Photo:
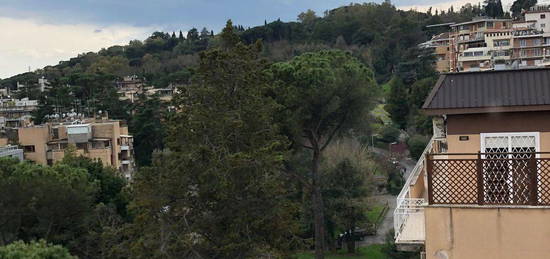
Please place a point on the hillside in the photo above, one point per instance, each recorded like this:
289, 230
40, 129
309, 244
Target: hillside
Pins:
379, 34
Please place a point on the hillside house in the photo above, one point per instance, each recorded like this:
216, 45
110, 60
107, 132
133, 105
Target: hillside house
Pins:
482, 187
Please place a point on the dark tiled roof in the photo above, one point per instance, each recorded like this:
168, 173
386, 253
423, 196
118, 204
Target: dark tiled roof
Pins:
504, 88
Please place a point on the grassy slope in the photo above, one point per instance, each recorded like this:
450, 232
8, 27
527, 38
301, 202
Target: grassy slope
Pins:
369, 252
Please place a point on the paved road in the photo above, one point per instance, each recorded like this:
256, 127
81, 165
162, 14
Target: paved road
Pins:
387, 223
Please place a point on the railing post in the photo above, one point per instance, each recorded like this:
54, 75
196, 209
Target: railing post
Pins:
429, 172
533, 199
479, 173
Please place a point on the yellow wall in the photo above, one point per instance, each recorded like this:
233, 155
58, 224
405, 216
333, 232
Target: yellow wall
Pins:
487, 233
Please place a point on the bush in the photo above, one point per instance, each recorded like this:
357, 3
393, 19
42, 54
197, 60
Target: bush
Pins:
390, 134
35, 250
417, 144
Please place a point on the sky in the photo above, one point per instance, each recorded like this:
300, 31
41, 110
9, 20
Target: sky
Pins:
37, 33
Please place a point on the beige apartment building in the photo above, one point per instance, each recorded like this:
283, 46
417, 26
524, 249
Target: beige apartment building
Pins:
103, 139
439, 45
482, 187
468, 46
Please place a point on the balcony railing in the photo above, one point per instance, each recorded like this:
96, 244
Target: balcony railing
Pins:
507, 179
408, 217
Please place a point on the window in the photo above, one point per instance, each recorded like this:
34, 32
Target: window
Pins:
490, 25
503, 167
29, 148
523, 43
523, 53
543, 16
500, 43
537, 52
542, 25
536, 42
82, 146
55, 133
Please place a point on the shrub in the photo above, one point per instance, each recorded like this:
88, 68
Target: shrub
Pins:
417, 144
35, 250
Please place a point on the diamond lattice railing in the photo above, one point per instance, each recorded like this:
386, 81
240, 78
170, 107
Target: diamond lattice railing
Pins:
490, 179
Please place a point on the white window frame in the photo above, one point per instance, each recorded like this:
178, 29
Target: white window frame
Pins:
510, 134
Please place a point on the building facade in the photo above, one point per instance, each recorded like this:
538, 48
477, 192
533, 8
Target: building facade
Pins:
16, 112
492, 44
106, 140
482, 187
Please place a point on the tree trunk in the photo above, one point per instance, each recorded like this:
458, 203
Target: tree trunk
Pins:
351, 241
318, 209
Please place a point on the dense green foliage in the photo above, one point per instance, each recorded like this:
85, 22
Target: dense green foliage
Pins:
73, 203
147, 128
325, 94
219, 193
239, 164
521, 5
34, 250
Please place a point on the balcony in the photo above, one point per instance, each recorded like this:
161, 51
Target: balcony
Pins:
11, 151
408, 217
497, 179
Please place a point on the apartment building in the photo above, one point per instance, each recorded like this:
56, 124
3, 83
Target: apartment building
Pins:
16, 112
482, 186
130, 88
468, 46
103, 139
439, 44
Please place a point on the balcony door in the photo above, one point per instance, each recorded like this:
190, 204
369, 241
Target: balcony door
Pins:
506, 166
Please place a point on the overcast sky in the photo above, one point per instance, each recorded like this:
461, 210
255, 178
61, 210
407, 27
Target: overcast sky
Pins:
36, 33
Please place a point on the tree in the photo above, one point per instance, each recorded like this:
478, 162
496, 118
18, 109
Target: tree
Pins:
148, 129
44, 202
325, 94
219, 193
493, 8
34, 249
180, 37
397, 102
347, 171
520, 5
345, 190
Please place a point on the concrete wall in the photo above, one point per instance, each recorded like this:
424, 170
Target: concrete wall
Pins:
37, 137
487, 233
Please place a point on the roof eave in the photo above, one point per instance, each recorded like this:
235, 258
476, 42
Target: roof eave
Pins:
434, 91
495, 109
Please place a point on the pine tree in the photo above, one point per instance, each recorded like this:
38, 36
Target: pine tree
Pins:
219, 193
181, 38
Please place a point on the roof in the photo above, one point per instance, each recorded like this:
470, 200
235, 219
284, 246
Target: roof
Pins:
490, 91
481, 20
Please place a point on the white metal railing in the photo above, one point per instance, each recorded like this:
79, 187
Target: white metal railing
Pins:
410, 215
10, 151
406, 205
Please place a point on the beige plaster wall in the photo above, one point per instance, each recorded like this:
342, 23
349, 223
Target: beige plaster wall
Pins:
37, 136
487, 233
